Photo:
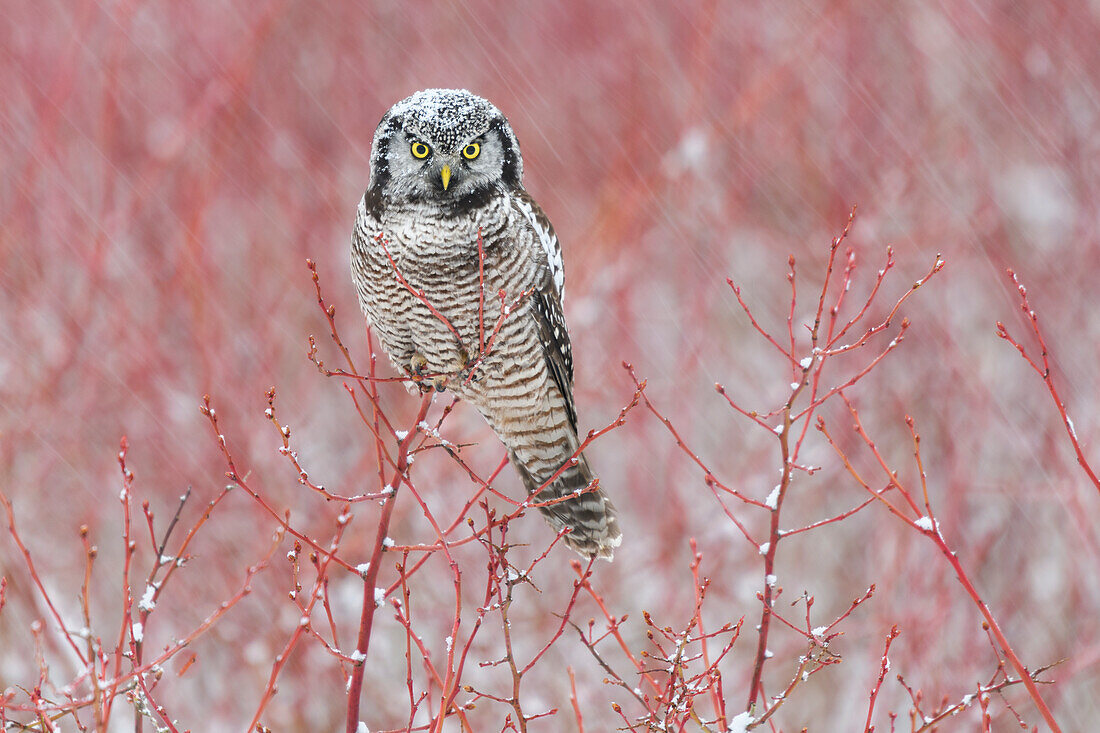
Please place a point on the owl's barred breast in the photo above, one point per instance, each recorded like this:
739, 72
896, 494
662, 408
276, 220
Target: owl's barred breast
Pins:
438, 255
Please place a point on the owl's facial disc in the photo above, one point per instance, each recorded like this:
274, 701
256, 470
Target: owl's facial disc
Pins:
446, 146
424, 170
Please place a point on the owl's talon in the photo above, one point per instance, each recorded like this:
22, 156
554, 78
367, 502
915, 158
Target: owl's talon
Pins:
465, 367
416, 368
417, 363
427, 384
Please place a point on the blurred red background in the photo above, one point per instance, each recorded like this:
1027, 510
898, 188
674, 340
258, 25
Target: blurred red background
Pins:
169, 166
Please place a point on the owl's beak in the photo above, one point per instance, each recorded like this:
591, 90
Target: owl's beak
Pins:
446, 174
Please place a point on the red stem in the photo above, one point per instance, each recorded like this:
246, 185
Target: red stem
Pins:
366, 621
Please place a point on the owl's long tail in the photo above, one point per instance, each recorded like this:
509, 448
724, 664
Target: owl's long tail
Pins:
589, 513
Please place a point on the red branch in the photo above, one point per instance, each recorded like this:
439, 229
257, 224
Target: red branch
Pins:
1044, 372
929, 527
370, 578
883, 669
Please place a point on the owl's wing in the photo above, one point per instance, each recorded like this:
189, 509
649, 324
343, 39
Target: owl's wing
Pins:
547, 299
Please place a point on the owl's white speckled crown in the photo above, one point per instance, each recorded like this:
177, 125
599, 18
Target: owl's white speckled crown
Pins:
446, 116
446, 119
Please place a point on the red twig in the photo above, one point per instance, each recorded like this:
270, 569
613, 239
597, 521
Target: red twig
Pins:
1044, 372
930, 528
33, 572
883, 669
303, 626
573, 700
239, 480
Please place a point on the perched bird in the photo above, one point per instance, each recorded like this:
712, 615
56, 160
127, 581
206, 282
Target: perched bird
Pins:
445, 227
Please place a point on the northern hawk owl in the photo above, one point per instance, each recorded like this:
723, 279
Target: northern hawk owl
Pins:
445, 227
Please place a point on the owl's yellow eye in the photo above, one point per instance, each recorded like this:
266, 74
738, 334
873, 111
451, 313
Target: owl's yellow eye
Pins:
420, 150
471, 151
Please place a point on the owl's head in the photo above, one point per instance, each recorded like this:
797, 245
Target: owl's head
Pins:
443, 146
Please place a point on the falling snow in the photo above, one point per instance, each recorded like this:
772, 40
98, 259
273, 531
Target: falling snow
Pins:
167, 173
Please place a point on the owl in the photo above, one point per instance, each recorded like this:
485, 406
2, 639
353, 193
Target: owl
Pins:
460, 275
